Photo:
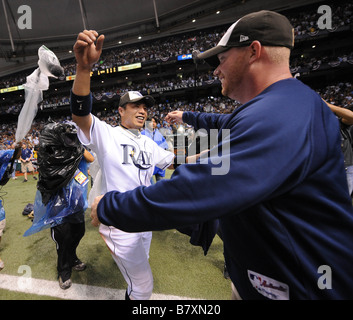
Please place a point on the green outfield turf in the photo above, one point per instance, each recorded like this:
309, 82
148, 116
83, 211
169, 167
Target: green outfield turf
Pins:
179, 268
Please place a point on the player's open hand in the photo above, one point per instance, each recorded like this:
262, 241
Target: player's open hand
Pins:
88, 48
94, 216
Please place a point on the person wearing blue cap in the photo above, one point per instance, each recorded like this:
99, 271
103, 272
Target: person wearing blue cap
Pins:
283, 206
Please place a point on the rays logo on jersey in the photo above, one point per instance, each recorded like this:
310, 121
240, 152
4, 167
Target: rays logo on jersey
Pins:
140, 159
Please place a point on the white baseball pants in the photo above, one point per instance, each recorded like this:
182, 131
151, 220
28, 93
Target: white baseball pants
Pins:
130, 252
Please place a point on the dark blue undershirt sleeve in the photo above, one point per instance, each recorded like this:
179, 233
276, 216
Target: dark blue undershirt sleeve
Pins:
204, 120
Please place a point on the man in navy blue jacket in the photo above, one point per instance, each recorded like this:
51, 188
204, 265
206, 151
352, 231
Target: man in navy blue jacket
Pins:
282, 201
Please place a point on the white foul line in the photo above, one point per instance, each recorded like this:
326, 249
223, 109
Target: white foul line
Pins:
75, 292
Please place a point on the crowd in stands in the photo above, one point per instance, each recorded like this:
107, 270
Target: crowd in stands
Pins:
111, 116
314, 63
306, 22
340, 94
145, 87
303, 22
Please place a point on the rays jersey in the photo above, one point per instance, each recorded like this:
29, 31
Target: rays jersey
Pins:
127, 160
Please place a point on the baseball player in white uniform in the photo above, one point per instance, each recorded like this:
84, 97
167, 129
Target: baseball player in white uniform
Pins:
126, 158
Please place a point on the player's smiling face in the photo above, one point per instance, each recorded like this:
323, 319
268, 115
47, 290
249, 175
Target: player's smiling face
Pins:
133, 116
231, 71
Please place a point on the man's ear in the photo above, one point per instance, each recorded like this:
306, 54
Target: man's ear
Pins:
255, 51
121, 111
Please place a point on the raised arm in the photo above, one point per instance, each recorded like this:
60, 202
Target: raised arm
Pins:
87, 49
346, 115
